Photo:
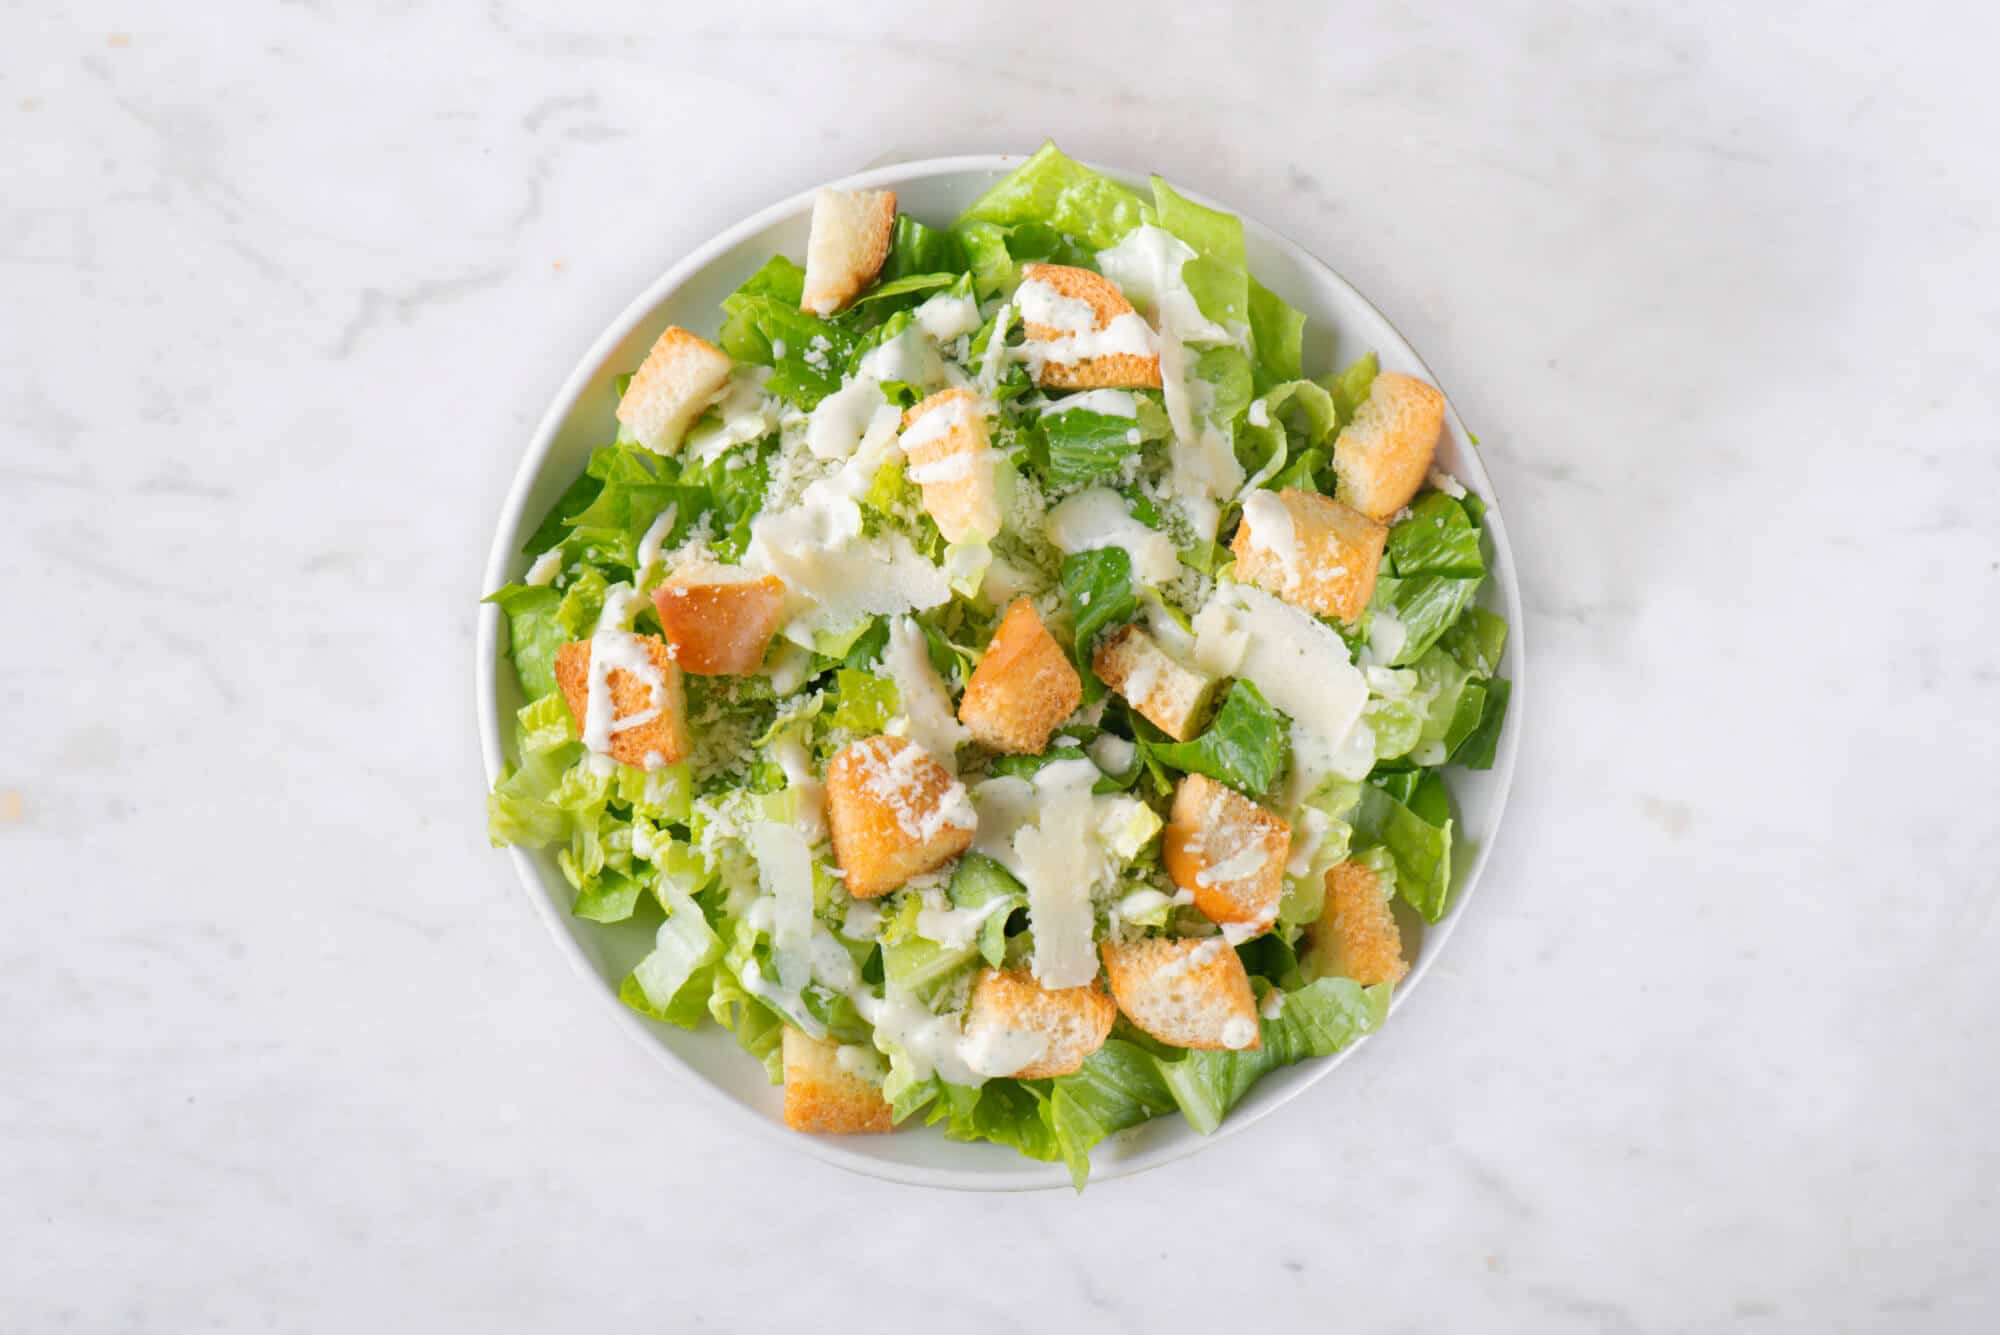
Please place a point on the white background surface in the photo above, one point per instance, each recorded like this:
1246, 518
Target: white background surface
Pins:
284, 289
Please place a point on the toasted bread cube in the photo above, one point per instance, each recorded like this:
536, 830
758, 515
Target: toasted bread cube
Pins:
893, 813
850, 238
944, 438
825, 1097
719, 619
1383, 456
1110, 370
658, 740
1011, 1017
1226, 851
1310, 550
1356, 935
1191, 992
1170, 696
672, 387
1022, 689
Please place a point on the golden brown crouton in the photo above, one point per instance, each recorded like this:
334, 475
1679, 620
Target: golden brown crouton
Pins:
664, 736
1010, 1013
850, 238
671, 388
893, 813
1226, 851
1022, 689
1383, 456
1171, 696
824, 1098
1191, 992
718, 620
944, 438
1120, 370
1310, 550
1356, 935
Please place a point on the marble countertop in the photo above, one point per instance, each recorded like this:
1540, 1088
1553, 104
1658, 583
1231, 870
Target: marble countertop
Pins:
284, 1047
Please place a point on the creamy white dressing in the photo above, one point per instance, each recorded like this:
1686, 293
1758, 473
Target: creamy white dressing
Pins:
784, 869
994, 364
937, 423
1296, 660
744, 412
926, 700
808, 792
931, 1044
546, 567
1105, 402
1272, 529
946, 316
1097, 517
1125, 335
1386, 637
1147, 265
655, 537
1112, 753
955, 928
1040, 304
614, 648
843, 419
1245, 862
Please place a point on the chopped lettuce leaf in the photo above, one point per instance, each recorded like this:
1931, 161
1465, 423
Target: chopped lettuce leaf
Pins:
534, 633
1436, 538
1244, 746
1276, 332
1416, 831
1056, 191
1098, 585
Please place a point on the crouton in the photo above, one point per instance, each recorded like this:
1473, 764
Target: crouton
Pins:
1383, 455
893, 813
1191, 992
1173, 698
671, 388
1106, 304
1011, 1016
1226, 851
851, 233
825, 1097
719, 619
944, 438
660, 739
1313, 552
1022, 689
1356, 935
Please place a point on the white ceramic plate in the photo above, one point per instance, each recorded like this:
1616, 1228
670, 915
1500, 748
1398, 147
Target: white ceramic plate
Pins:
1340, 325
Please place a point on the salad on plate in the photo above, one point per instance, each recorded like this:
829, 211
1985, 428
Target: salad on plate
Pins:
1013, 693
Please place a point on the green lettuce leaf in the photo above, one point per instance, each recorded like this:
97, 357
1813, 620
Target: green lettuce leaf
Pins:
1480, 746
1218, 276
1244, 746
1085, 447
534, 633
1477, 640
1058, 192
919, 249
1436, 538
1099, 587
1276, 332
1350, 388
1416, 831
675, 980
